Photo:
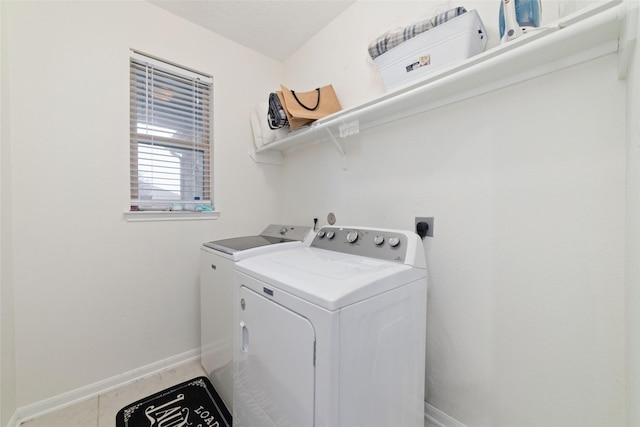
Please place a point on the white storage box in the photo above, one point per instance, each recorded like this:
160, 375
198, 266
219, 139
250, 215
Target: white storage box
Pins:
450, 42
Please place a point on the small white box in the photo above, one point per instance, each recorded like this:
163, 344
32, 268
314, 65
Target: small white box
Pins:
453, 41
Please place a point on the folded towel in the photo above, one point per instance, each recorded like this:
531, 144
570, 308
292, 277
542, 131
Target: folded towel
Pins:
262, 132
393, 38
257, 129
269, 135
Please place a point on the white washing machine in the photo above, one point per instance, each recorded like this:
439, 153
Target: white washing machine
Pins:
332, 334
216, 296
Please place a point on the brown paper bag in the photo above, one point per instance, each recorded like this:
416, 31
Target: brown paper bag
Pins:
294, 122
305, 107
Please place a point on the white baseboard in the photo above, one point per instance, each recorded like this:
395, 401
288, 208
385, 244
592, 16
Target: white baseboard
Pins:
13, 422
439, 418
92, 390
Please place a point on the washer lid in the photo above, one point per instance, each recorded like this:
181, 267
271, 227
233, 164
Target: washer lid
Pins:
327, 278
235, 244
272, 235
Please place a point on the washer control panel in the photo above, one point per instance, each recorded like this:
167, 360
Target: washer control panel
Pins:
390, 245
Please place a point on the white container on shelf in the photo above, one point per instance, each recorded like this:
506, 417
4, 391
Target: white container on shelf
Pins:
455, 40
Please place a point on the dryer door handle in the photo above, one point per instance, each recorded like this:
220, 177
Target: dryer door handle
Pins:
244, 338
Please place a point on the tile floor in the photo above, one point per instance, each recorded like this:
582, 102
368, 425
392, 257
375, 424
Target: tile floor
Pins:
100, 411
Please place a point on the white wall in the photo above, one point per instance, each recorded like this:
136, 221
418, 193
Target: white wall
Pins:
526, 302
7, 356
633, 238
96, 296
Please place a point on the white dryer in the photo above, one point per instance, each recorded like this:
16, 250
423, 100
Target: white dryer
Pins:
332, 334
216, 296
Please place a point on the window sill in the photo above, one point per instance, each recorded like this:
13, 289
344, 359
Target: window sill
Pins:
170, 216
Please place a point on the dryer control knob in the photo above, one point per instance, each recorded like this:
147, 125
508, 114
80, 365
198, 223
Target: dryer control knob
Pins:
321, 234
331, 234
394, 241
352, 236
378, 240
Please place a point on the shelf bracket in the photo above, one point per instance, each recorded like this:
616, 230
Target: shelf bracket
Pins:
340, 149
269, 157
627, 39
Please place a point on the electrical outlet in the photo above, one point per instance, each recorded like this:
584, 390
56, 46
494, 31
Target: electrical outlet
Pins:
427, 220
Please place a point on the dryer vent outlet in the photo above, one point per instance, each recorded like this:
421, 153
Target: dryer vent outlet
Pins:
424, 226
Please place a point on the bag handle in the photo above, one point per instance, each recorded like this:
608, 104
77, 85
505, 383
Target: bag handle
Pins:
304, 106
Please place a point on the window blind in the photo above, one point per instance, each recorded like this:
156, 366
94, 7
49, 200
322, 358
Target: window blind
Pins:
170, 128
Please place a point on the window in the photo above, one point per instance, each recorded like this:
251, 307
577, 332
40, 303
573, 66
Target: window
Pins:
170, 146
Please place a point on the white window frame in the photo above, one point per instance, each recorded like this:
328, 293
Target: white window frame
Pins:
177, 164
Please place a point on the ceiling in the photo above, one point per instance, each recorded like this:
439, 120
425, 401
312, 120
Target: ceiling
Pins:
276, 28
